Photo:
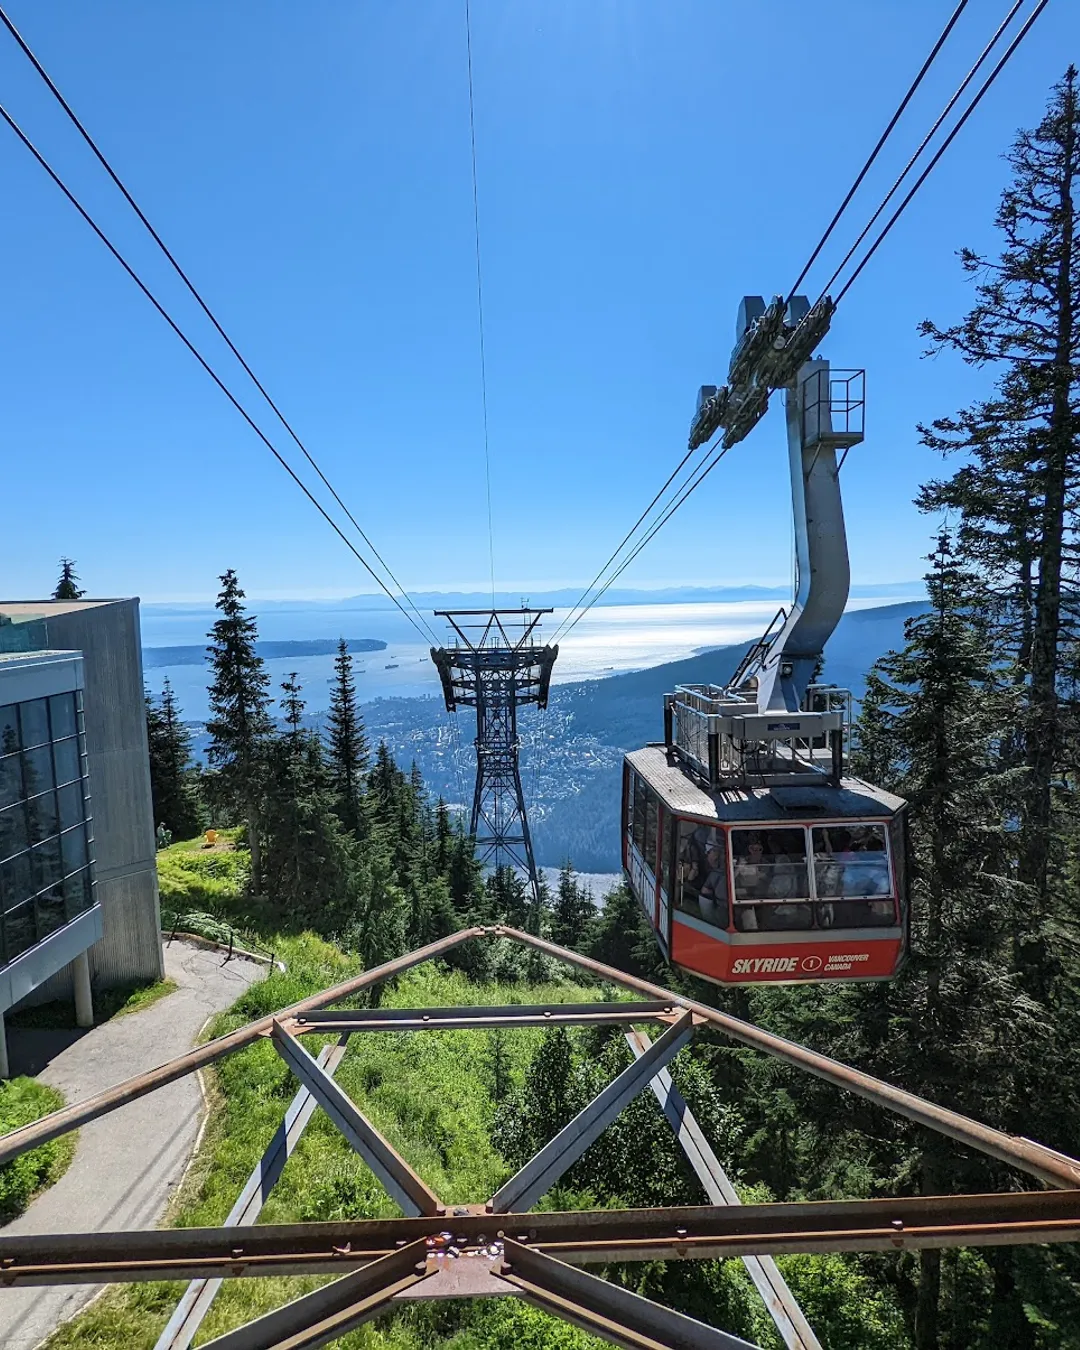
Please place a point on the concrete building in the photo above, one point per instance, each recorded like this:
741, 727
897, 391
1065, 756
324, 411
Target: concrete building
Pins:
78, 881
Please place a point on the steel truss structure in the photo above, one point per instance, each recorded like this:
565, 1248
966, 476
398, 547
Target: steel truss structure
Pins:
498, 1247
496, 665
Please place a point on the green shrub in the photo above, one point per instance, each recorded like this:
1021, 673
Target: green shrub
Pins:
23, 1100
190, 880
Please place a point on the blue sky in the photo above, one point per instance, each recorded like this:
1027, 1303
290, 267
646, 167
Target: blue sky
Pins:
641, 166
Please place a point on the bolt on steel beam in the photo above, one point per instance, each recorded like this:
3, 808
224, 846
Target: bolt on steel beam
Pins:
580, 1236
606, 1309
1056, 1169
332, 1310
514, 1015
399, 1179
190, 1312
71, 1117
780, 1302
543, 1170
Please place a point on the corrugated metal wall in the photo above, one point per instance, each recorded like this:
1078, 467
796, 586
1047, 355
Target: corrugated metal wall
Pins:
109, 638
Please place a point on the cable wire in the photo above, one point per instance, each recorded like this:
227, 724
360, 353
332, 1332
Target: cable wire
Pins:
924, 143
571, 622
100, 156
699, 476
44, 163
881, 141
480, 297
664, 487
1005, 57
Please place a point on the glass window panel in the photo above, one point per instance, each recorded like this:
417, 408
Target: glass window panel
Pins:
652, 825
701, 869
15, 883
62, 716
9, 729
42, 817
641, 793
49, 911
45, 864
34, 722
73, 843
665, 854
72, 810
20, 932
78, 895
37, 770
851, 862
13, 833
770, 874
66, 757
11, 789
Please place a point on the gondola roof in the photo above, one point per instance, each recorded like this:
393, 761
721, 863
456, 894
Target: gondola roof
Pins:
854, 799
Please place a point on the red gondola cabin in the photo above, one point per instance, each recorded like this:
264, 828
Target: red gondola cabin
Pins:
764, 885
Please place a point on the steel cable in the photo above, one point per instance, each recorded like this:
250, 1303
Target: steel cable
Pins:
44, 163
881, 142
924, 143
201, 302
1005, 57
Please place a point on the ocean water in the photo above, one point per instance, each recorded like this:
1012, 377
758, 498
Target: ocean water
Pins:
609, 639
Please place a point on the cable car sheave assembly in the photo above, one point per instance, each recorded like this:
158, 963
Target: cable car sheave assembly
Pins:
753, 855
500, 1246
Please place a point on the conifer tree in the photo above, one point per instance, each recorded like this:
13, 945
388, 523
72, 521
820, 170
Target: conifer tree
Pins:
173, 781
573, 911
292, 705
1016, 495
956, 1023
347, 743
66, 587
239, 725
620, 936
309, 860
444, 835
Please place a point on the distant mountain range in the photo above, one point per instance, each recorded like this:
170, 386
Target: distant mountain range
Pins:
557, 599
269, 651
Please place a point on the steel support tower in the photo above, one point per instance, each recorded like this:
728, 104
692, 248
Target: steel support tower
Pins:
495, 665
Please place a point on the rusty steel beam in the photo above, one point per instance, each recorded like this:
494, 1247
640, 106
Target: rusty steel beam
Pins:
404, 1186
580, 1236
780, 1303
1056, 1169
605, 1309
190, 1312
333, 1310
544, 1169
71, 1117
514, 1015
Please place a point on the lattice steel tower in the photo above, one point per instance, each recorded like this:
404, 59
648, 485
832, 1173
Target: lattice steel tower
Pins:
495, 665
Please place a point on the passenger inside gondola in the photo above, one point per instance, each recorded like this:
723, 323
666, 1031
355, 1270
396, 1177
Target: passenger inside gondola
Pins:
702, 873
852, 878
771, 890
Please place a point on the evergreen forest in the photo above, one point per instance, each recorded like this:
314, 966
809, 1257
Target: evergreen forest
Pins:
339, 857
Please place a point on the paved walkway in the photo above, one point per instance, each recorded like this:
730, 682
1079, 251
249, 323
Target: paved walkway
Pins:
129, 1162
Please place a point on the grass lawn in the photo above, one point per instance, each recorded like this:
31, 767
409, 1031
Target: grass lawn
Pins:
23, 1100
